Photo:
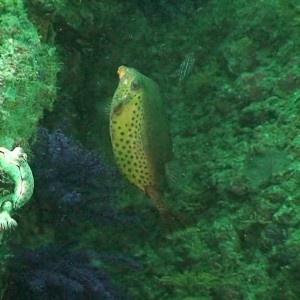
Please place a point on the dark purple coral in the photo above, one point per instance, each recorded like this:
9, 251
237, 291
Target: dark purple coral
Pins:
72, 183
52, 273
73, 186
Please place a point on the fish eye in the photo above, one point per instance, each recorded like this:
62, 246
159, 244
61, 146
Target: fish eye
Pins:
135, 85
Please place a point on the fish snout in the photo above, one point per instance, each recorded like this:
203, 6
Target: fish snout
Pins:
122, 71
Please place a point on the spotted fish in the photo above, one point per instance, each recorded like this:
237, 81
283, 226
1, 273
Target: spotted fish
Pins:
140, 134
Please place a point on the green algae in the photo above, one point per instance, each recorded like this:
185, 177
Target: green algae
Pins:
28, 71
235, 126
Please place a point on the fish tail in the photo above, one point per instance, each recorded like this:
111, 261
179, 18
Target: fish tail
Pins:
170, 220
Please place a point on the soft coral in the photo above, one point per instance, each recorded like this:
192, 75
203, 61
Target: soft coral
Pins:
72, 182
56, 273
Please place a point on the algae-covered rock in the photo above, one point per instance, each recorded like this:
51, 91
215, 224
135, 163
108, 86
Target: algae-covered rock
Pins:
28, 70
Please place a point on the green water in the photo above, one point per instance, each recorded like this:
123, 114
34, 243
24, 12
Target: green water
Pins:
228, 72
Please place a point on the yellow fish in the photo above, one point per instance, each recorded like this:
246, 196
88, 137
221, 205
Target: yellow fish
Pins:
140, 134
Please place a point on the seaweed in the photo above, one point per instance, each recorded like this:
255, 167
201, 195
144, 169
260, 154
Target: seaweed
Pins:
168, 10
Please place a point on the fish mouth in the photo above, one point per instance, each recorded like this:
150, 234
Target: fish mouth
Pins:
121, 71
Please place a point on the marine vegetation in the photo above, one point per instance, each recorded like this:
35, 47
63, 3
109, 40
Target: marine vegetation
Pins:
28, 75
166, 10
74, 188
229, 72
76, 182
51, 273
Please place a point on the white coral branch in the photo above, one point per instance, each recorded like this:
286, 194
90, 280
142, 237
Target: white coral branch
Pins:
6, 221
